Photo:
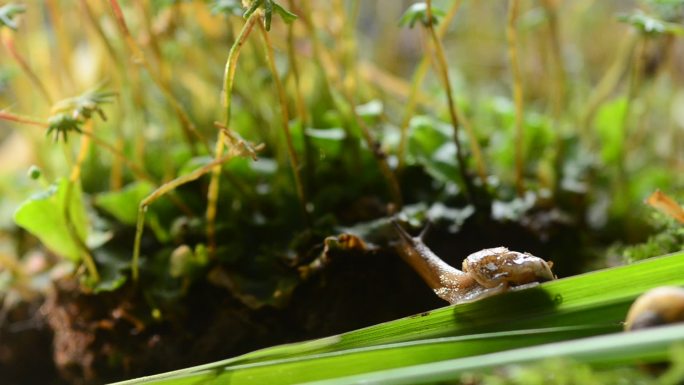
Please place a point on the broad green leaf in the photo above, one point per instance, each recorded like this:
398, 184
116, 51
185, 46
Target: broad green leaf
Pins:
123, 204
43, 215
590, 303
609, 126
328, 141
431, 144
112, 270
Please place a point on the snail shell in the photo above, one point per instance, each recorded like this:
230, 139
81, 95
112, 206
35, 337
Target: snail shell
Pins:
493, 267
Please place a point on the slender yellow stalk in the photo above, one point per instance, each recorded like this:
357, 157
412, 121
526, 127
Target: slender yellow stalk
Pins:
559, 83
139, 173
379, 154
158, 193
348, 88
512, 36
316, 46
608, 82
228, 78
63, 49
8, 41
188, 126
453, 113
75, 178
417, 80
300, 104
285, 122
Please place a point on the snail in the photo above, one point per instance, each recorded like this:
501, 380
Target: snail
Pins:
659, 306
485, 273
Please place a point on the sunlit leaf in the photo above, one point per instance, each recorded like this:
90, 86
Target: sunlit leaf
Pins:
43, 215
123, 204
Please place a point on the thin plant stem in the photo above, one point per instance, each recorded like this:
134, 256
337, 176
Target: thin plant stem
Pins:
632, 91
115, 178
187, 125
416, 81
139, 173
608, 82
316, 46
158, 193
63, 47
285, 122
455, 121
300, 104
8, 41
560, 81
228, 79
378, 154
90, 15
75, 178
512, 37
349, 88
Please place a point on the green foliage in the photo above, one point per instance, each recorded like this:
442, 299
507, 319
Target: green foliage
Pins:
229, 7
7, 14
651, 26
269, 6
417, 12
431, 145
43, 215
668, 238
609, 125
123, 204
165, 117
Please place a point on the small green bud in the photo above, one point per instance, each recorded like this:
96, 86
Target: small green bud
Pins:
34, 172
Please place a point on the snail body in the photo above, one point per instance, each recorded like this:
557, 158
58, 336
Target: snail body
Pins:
485, 273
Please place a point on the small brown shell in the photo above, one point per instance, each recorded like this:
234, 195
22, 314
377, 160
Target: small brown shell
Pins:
659, 306
492, 267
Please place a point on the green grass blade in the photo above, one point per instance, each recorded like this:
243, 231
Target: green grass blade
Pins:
650, 345
598, 298
368, 359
